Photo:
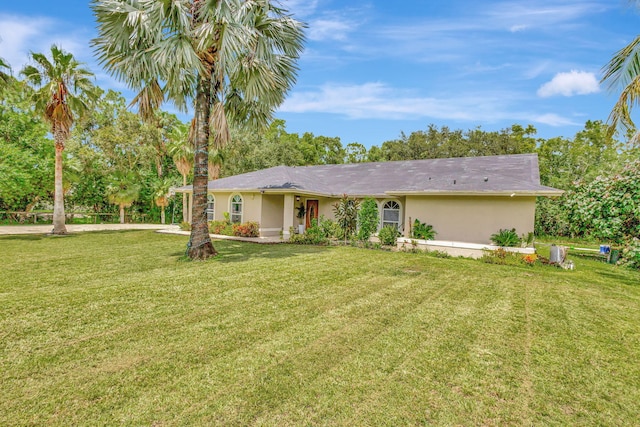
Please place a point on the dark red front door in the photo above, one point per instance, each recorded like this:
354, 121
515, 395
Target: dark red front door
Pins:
312, 211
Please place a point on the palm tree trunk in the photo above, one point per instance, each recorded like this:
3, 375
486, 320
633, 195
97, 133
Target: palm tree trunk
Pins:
200, 246
121, 214
58, 193
185, 205
162, 216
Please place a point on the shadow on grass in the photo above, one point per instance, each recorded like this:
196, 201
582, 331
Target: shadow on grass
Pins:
35, 237
233, 251
625, 278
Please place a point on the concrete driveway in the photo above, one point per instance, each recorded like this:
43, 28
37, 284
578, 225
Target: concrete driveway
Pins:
76, 228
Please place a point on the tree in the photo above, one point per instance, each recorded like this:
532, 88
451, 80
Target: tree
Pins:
368, 219
26, 154
346, 213
5, 77
234, 59
160, 189
123, 189
61, 89
623, 72
181, 152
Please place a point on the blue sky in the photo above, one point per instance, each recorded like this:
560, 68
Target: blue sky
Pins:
372, 69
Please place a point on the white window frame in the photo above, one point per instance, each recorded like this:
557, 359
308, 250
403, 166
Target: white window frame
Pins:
211, 207
232, 214
382, 210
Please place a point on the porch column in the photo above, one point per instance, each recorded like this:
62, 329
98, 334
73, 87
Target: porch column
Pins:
190, 207
288, 216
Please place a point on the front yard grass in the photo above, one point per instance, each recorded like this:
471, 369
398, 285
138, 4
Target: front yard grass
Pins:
115, 328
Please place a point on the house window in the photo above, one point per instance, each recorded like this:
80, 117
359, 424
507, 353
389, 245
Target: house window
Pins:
210, 207
236, 209
391, 214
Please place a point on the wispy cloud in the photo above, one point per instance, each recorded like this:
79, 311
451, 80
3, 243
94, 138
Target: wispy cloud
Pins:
554, 120
375, 100
300, 8
20, 35
330, 29
570, 84
519, 15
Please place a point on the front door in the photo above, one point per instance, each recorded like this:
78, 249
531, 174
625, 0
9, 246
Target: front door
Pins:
312, 211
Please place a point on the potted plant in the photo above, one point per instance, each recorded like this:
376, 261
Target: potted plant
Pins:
301, 212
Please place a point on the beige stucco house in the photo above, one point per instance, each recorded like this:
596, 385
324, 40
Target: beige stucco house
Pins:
465, 199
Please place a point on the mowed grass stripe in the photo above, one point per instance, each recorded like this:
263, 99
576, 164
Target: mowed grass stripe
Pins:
290, 335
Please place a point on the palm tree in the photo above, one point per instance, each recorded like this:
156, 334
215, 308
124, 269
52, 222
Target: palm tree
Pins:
161, 188
235, 59
123, 189
62, 88
623, 71
4, 76
215, 162
181, 150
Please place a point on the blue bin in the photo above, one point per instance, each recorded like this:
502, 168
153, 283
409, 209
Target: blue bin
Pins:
605, 249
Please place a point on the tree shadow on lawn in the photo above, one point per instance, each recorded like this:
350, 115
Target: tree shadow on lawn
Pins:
233, 251
35, 237
625, 278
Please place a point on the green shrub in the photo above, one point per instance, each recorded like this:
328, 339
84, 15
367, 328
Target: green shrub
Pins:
346, 213
246, 229
221, 227
421, 230
506, 237
185, 226
367, 219
630, 255
608, 207
329, 228
388, 235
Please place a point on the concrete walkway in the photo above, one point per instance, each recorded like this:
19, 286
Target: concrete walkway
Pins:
77, 228
6, 230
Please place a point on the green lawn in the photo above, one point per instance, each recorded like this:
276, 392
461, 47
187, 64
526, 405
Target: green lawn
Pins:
117, 329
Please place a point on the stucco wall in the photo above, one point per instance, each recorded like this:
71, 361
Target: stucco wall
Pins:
471, 219
251, 205
271, 222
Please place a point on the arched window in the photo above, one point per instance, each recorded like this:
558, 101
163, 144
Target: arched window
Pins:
236, 209
211, 203
391, 214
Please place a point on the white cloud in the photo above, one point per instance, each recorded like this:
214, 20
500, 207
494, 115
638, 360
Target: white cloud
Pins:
555, 120
379, 101
518, 28
570, 84
517, 15
329, 29
300, 8
20, 35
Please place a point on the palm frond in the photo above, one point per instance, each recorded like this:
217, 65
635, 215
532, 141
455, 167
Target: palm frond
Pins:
623, 71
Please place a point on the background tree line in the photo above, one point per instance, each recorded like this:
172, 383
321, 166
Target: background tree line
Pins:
115, 161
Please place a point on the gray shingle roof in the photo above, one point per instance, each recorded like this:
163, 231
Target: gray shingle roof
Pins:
493, 174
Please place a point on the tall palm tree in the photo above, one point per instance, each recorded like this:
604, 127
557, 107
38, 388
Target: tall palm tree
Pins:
181, 151
123, 189
235, 59
161, 188
62, 88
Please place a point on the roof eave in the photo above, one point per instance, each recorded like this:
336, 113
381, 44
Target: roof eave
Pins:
503, 193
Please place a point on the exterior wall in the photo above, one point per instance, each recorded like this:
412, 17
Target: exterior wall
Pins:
272, 215
470, 219
251, 205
